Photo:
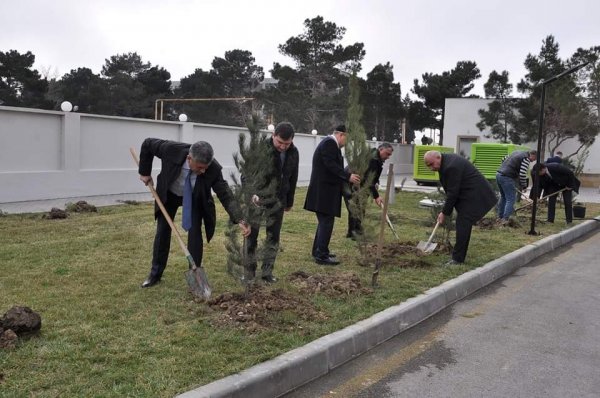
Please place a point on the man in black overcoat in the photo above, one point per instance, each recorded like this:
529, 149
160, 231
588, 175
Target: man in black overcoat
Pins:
183, 163
554, 177
467, 191
324, 196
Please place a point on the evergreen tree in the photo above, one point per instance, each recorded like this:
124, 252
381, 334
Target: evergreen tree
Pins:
384, 108
567, 113
319, 81
134, 85
253, 163
358, 155
436, 88
500, 117
20, 85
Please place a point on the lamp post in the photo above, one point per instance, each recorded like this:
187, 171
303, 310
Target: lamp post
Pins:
536, 180
66, 106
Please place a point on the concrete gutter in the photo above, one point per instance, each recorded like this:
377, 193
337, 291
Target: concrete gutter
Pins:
304, 364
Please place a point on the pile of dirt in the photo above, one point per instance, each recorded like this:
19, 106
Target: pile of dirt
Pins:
391, 252
263, 309
342, 284
55, 214
81, 207
18, 322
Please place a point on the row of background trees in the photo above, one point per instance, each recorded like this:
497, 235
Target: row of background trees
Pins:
313, 93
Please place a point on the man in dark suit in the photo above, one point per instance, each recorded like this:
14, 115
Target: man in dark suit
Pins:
378, 157
187, 176
285, 160
324, 196
557, 158
553, 178
467, 191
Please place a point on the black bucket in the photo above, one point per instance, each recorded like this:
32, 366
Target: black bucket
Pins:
578, 211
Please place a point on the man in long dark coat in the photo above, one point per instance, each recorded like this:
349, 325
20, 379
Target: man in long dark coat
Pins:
324, 196
467, 191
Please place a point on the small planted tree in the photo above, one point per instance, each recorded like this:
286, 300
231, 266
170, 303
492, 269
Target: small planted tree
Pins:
253, 164
358, 155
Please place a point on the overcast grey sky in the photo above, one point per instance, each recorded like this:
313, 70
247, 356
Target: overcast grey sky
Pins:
415, 36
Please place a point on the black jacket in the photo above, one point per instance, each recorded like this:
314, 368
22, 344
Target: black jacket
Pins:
326, 179
557, 178
286, 175
172, 155
372, 175
466, 188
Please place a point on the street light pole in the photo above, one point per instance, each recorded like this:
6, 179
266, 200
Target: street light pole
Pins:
536, 180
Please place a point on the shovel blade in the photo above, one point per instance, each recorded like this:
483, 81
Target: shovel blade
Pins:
426, 248
198, 283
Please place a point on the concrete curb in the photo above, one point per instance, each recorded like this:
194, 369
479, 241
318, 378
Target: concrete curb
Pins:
301, 365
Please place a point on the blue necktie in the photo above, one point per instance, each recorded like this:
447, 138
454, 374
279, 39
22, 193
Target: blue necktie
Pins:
186, 220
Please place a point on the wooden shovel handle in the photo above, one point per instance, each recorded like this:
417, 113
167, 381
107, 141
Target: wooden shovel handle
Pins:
165, 214
437, 224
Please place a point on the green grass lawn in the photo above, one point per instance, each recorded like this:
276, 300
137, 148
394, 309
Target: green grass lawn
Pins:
102, 335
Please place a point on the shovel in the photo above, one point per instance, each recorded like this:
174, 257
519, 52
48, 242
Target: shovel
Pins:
542, 198
428, 247
195, 276
389, 222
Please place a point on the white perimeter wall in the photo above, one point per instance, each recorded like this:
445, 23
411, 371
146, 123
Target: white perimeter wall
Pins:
52, 155
461, 117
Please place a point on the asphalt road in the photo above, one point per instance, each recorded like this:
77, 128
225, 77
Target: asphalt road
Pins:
535, 333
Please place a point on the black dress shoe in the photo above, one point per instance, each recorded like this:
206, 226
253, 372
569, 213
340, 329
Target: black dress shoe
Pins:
326, 260
151, 281
269, 278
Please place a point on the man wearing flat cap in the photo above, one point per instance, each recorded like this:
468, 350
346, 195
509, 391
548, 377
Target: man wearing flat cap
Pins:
324, 196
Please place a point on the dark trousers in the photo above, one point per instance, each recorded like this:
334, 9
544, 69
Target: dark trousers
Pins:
162, 239
273, 229
354, 224
320, 247
568, 202
463, 236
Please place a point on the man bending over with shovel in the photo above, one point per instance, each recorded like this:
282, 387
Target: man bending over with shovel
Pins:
556, 178
467, 191
187, 176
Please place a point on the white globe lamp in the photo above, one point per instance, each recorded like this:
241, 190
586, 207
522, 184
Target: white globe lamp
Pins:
270, 127
374, 139
314, 132
66, 106
183, 117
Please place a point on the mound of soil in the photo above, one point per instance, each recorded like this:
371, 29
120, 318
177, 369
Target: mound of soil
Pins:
82, 207
263, 309
8, 340
21, 320
390, 254
55, 214
343, 284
